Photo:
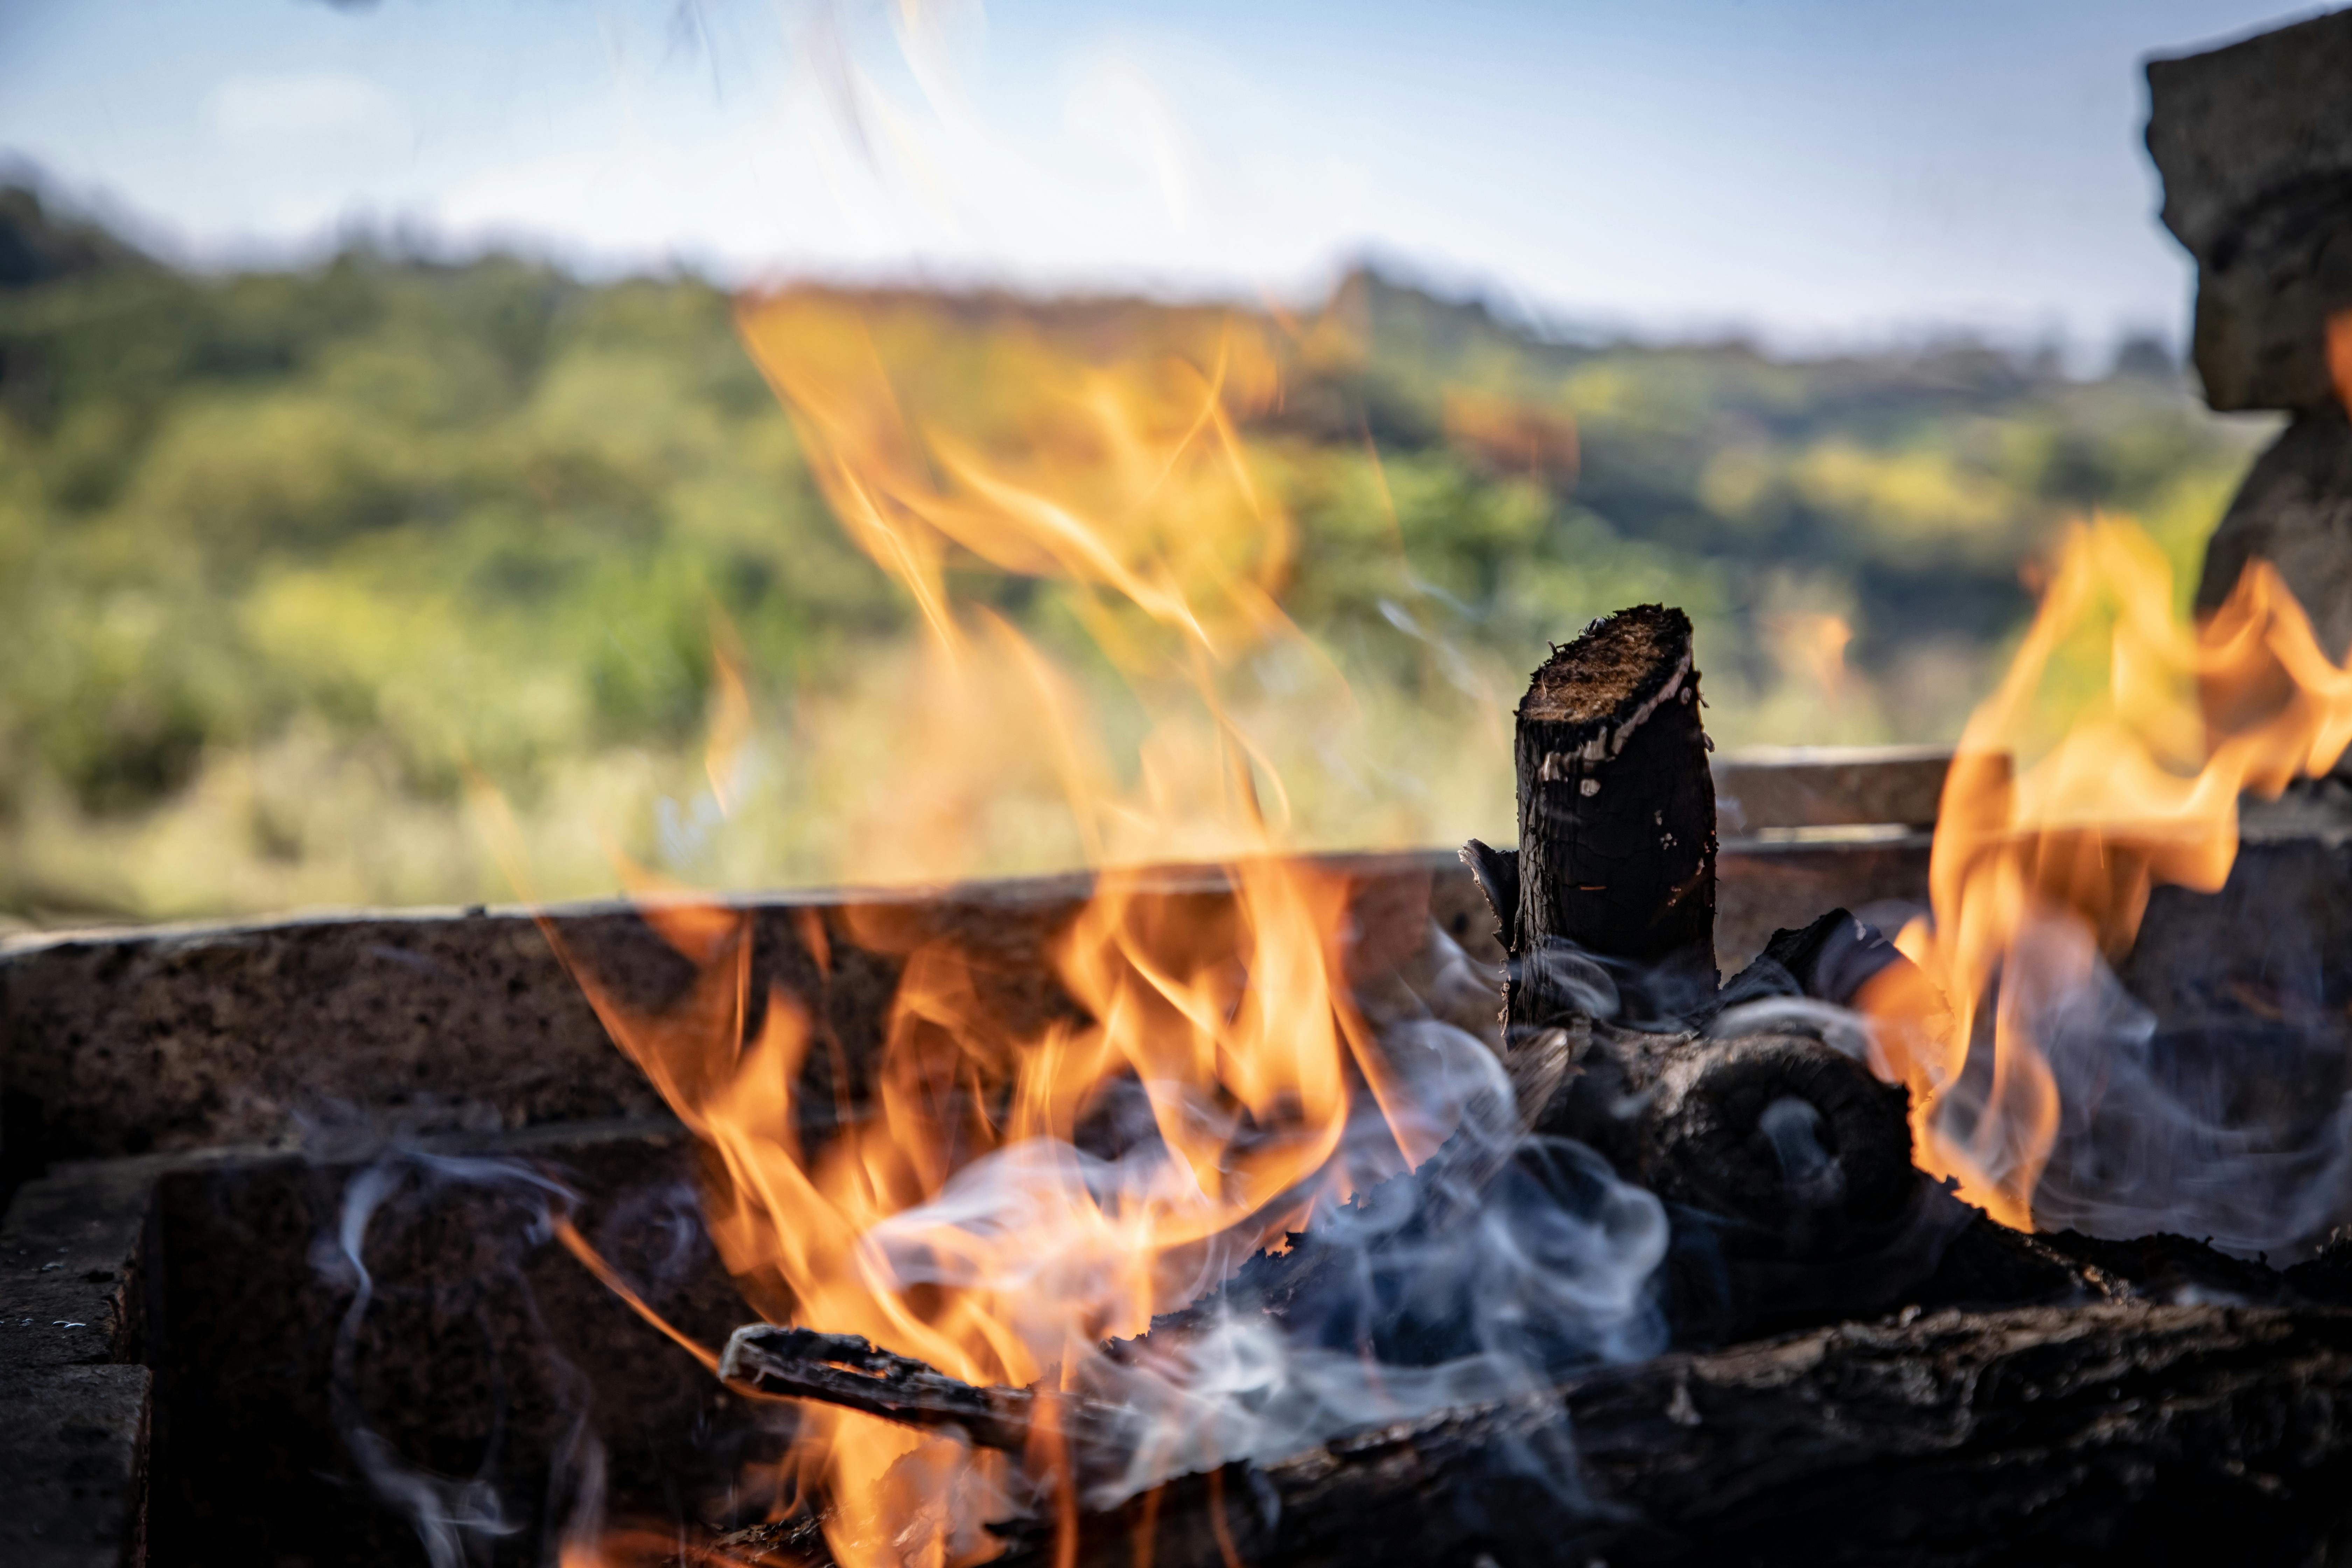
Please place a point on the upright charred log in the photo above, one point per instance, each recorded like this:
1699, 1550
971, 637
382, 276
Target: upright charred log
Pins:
1782, 1146
1616, 851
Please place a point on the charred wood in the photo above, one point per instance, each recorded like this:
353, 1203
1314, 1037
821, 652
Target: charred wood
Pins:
1829, 960
1786, 1144
852, 1371
2163, 1433
1782, 1131
1616, 854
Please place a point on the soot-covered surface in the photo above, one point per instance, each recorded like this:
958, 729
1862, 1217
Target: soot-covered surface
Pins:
496, 1374
253, 1460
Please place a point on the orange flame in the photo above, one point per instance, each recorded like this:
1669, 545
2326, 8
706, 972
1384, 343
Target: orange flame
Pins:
2339, 356
1126, 485
1512, 437
2037, 869
1812, 647
730, 720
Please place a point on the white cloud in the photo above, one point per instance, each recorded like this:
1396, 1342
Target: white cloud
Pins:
1114, 100
343, 118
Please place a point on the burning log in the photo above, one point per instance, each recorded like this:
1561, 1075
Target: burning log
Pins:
852, 1371
1786, 1163
1616, 853
2170, 1433
1607, 913
2035, 1398
2167, 1434
1784, 1133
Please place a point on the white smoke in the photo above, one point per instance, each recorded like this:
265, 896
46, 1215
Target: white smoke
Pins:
458, 1518
2157, 1130
1518, 1256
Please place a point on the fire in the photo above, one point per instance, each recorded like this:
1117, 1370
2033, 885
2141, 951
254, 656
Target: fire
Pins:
1812, 647
1126, 488
956, 1214
953, 1218
1512, 437
2047, 843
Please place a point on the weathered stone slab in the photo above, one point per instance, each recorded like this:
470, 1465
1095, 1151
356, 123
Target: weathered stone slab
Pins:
1824, 786
2255, 142
74, 1421
73, 1466
2294, 510
71, 1273
486, 1359
123, 1042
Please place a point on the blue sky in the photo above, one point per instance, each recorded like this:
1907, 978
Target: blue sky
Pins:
1820, 171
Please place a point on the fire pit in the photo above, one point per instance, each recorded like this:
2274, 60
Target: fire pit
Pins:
202, 1099
1298, 1209
307, 1076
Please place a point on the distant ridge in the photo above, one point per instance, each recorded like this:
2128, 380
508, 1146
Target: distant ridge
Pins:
38, 245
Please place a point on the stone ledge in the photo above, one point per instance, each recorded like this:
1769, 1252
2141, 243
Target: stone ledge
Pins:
73, 1466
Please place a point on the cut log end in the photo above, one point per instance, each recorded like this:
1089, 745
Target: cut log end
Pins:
1617, 838
1620, 662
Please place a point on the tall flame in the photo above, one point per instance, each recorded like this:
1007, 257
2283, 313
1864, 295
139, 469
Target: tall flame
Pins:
953, 1217
2046, 848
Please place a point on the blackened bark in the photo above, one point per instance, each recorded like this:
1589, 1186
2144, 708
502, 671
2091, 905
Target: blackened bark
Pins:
1616, 853
2138, 1433
1781, 1146
1831, 960
854, 1374
1781, 1131
1497, 872
2151, 1434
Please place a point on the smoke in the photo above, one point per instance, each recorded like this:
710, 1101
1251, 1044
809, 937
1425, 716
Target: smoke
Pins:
2219, 1129
509, 1210
1541, 1269
1503, 1262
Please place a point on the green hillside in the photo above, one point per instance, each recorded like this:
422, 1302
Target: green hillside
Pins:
283, 554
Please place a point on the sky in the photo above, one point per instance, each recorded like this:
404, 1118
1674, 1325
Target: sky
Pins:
1816, 173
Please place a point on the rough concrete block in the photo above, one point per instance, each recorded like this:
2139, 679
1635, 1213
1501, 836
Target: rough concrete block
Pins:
2294, 510
2254, 143
71, 1273
74, 1434
73, 1466
126, 1041
1826, 787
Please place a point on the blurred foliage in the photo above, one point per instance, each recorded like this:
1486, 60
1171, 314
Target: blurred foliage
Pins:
284, 556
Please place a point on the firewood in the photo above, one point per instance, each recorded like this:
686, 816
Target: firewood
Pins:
2148, 1433
1616, 854
2050, 1399
1783, 1132
852, 1371
2144, 1434
1607, 913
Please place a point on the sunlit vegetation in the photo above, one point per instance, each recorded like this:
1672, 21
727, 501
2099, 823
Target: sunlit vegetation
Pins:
286, 559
